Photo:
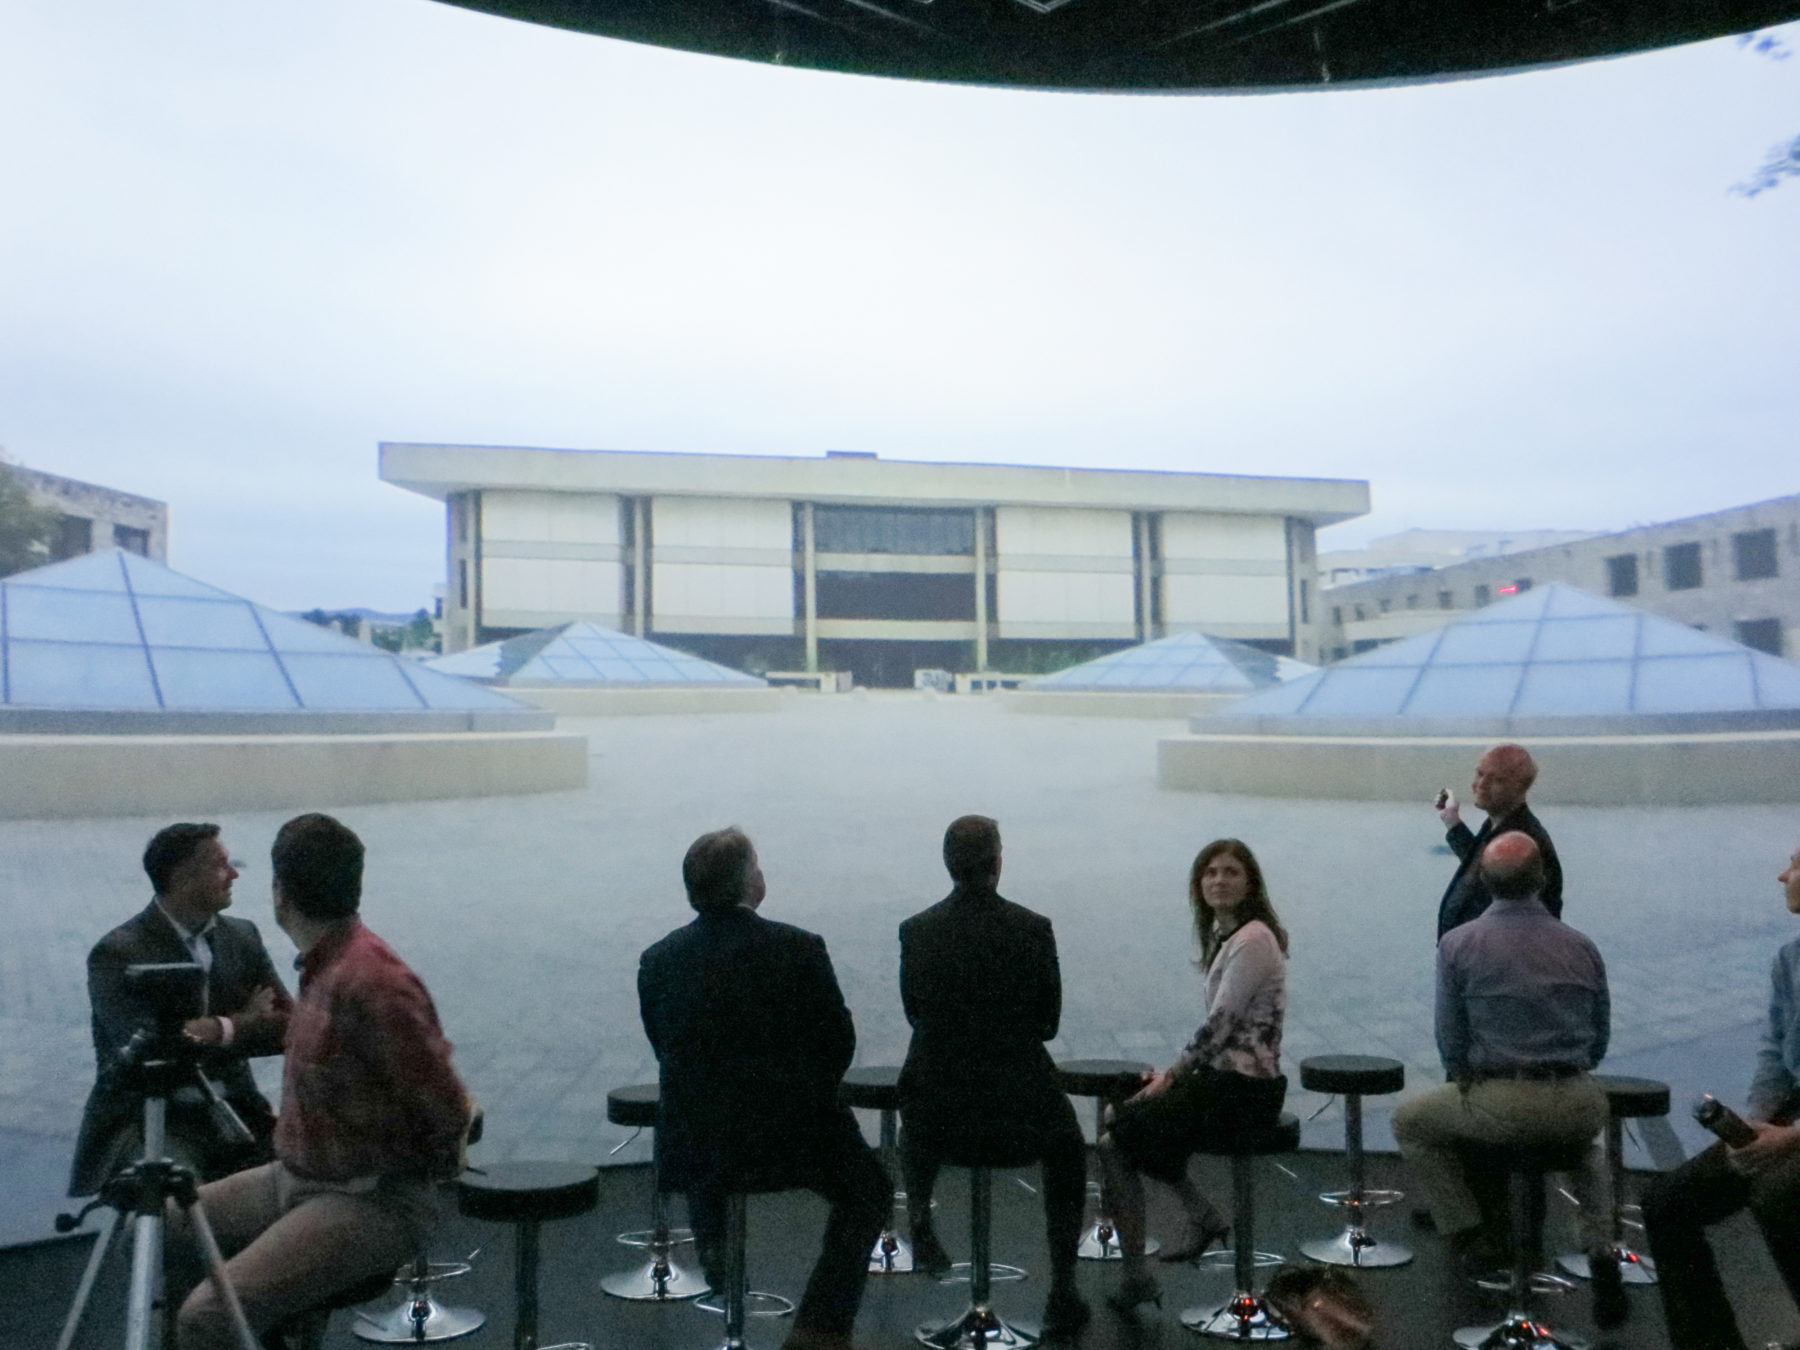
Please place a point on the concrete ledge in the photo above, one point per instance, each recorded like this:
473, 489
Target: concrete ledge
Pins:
1099, 703
639, 702
48, 777
1589, 770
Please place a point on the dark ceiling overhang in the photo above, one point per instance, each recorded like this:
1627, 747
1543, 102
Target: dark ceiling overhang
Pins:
1157, 45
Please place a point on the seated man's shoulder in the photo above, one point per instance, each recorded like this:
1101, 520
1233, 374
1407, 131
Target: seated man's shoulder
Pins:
122, 941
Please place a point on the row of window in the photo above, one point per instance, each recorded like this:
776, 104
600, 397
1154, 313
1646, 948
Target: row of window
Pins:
1753, 558
74, 536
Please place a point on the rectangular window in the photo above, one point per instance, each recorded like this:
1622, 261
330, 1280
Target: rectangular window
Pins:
1358, 611
1305, 603
1753, 554
1622, 574
1481, 596
1337, 615
132, 540
1446, 599
74, 536
462, 583
1762, 634
883, 529
1412, 602
1681, 567
896, 595
1386, 605
1522, 585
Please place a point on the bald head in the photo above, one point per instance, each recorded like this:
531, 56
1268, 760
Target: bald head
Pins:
1512, 867
1502, 778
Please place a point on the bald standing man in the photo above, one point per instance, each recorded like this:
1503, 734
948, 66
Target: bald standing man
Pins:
1502, 778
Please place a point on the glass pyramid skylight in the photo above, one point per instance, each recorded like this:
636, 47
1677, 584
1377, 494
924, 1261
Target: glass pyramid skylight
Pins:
114, 631
1184, 663
1554, 652
585, 654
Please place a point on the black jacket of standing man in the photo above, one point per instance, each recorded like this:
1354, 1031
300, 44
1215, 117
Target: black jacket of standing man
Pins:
983, 991
752, 1038
1502, 778
246, 1011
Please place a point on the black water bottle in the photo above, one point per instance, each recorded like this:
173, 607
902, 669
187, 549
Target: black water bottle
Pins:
1723, 1121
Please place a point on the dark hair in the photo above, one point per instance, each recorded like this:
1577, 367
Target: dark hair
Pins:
716, 869
1255, 904
319, 865
172, 846
1510, 879
971, 848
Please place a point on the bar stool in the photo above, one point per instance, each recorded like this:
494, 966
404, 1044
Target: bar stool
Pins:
980, 1327
660, 1279
1247, 1315
420, 1319
877, 1088
1354, 1077
1108, 1082
527, 1194
1525, 1168
734, 1299
1627, 1099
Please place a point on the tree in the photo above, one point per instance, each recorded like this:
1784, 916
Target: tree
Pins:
26, 528
1783, 161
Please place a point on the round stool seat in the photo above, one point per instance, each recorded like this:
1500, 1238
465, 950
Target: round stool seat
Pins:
1341, 1075
876, 1088
1281, 1137
1633, 1098
1108, 1078
528, 1192
634, 1105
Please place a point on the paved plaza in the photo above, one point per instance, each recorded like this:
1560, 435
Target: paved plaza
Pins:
525, 915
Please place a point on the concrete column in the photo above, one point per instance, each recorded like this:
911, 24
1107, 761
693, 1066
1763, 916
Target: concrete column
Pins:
811, 566
640, 569
1146, 577
981, 570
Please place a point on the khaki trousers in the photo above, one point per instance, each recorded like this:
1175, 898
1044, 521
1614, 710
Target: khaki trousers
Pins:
290, 1244
1431, 1129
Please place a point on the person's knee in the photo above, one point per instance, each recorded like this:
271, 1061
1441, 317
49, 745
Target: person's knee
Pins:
203, 1322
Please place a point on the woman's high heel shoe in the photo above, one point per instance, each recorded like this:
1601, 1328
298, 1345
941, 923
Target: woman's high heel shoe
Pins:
1132, 1291
1196, 1245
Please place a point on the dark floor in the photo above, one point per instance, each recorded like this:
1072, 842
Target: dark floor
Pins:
1417, 1307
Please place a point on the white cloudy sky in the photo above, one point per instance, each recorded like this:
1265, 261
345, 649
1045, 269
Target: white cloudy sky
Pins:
242, 243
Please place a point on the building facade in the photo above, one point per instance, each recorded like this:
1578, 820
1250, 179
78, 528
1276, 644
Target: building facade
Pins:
879, 567
92, 517
1735, 573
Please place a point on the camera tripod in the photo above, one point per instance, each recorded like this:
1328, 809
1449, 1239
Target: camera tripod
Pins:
142, 1190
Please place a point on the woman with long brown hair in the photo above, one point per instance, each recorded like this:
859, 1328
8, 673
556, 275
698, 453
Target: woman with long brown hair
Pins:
1228, 1079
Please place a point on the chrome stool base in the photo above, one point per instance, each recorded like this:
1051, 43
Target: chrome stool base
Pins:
1369, 1200
1101, 1243
1245, 1318
1633, 1267
997, 1273
1540, 1281
646, 1237
892, 1255
1517, 1332
655, 1282
1354, 1247
1227, 1256
418, 1322
977, 1329
757, 1303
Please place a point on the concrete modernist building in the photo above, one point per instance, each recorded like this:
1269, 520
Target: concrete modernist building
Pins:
93, 517
1735, 573
879, 567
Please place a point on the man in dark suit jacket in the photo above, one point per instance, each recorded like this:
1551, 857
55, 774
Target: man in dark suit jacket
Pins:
752, 1038
245, 1013
983, 992
1502, 778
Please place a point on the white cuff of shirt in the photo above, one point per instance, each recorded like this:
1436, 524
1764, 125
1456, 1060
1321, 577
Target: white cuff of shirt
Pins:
226, 1030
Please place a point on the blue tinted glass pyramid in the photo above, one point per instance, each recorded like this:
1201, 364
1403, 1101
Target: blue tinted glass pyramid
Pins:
585, 654
115, 631
1184, 663
1553, 652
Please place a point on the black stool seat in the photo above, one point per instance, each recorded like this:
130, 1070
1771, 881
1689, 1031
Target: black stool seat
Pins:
1108, 1078
1365, 1075
1281, 1137
634, 1105
528, 1192
1633, 1098
875, 1088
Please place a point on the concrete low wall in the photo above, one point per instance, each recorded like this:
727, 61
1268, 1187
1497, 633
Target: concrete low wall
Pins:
1098, 703
638, 702
44, 777
1593, 770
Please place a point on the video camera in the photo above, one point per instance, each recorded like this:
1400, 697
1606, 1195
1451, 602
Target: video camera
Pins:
159, 1059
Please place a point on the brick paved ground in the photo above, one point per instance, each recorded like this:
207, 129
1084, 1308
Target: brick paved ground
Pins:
525, 915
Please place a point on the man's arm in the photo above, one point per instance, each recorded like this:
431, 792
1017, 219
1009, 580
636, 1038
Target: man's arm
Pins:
824, 1017
1551, 897
1772, 1087
1602, 1009
1049, 1001
1452, 1018
394, 1028
1460, 838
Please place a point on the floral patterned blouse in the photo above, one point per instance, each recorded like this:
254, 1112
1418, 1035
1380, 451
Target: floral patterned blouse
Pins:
1246, 999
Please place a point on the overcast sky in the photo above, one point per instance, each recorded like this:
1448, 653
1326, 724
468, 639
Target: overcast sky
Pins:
242, 243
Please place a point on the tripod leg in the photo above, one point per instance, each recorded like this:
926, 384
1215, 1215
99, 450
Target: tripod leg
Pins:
146, 1277
215, 1268
85, 1290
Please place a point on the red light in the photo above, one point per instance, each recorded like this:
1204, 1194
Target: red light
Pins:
1509, 590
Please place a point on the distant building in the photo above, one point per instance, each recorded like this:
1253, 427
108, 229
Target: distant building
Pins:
848, 562
1420, 550
93, 517
1735, 573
